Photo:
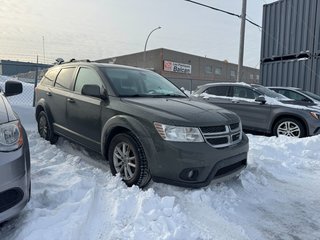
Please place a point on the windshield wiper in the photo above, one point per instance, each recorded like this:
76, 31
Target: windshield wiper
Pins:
168, 95
135, 95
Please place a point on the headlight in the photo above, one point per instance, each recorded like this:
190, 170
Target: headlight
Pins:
10, 136
316, 115
178, 134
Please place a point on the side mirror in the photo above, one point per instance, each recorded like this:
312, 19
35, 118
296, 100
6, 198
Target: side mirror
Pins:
93, 91
261, 99
12, 88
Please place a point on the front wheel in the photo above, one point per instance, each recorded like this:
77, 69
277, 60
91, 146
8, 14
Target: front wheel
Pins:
289, 127
45, 128
126, 157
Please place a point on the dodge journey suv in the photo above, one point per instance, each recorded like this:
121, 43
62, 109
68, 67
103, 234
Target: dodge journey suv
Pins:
141, 123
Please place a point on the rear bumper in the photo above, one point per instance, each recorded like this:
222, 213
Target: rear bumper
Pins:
197, 164
14, 182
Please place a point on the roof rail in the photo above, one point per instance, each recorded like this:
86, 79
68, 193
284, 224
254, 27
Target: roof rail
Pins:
61, 61
81, 60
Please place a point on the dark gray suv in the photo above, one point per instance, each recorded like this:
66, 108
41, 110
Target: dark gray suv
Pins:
262, 109
14, 157
141, 123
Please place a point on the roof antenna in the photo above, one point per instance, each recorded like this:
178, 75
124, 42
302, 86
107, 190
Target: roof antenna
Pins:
59, 60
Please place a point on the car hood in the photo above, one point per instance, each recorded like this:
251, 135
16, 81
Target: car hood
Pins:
182, 111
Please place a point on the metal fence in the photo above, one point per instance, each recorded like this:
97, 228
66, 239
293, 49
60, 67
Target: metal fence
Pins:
29, 74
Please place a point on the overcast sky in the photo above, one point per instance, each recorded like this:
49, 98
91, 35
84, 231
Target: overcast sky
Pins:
96, 29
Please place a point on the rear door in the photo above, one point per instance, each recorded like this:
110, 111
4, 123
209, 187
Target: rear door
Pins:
218, 95
84, 112
58, 98
254, 115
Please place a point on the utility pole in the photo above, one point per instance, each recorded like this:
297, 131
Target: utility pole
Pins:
242, 34
35, 82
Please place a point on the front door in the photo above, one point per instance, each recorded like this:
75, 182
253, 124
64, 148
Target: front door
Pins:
84, 112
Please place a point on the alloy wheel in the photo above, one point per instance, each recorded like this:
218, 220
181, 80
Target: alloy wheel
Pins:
43, 127
289, 128
124, 160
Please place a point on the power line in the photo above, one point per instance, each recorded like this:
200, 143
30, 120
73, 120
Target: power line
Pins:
223, 11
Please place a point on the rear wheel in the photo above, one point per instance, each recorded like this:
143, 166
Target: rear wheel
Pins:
289, 127
45, 128
126, 157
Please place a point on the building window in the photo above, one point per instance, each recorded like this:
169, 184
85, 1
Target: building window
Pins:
208, 69
218, 71
233, 73
257, 77
251, 76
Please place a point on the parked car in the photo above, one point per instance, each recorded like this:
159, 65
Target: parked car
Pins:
14, 157
262, 109
297, 94
143, 124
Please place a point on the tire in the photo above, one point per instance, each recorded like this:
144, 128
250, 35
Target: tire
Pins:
45, 128
289, 127
126, 156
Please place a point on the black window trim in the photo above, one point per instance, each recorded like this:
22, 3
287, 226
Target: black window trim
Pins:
73, 79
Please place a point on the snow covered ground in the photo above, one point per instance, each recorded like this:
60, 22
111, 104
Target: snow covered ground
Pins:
75, 196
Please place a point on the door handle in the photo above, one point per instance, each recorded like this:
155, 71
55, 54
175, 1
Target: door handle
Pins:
70, 100
49, 94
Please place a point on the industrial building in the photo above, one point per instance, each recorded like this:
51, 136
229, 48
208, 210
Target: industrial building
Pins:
186, 70
290, 49
10, 68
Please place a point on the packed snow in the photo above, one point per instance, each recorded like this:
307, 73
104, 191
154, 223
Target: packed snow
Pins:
75, 196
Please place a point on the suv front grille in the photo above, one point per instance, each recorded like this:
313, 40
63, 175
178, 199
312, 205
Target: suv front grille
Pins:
222, 136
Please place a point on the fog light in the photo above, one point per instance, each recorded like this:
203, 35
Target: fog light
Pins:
190, 174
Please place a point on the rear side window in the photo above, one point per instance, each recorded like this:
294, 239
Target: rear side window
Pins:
218, 90
243, 92
64, 79
87, 76
49, 77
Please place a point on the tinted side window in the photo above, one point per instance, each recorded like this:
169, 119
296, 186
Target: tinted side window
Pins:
243, 92
218, 90
64, 79
293, 95
49, 77
87, 76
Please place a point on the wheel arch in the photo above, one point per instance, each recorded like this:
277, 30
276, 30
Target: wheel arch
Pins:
292, 116
121, 124
42, 106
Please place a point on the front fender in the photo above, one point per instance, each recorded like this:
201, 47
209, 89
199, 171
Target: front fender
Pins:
136, 127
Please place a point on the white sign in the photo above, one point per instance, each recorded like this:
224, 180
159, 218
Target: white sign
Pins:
176, 67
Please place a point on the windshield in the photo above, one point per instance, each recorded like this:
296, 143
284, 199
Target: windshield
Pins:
269, 93
310, 94
140, 83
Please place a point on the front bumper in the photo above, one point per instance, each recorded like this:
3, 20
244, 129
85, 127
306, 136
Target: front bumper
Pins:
197, 164
14, 182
